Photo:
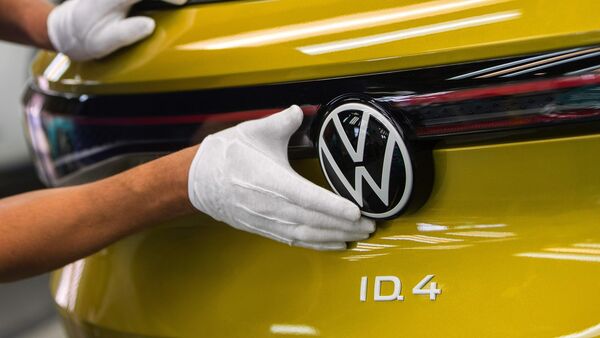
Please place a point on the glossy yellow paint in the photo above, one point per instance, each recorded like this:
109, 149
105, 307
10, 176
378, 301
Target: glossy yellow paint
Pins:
515, 249
241, 43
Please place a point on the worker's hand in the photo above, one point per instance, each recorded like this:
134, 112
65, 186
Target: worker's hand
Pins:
242, 176
92, 29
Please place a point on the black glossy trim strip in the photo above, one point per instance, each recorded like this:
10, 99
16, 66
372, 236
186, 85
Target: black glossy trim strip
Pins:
159, 5
78, 124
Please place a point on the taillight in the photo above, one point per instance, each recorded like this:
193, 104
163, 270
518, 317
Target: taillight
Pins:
78, 138
501, 107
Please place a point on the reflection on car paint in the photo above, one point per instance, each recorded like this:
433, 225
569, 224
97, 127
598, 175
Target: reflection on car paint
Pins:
68, 285
422, 239
590, 332
294, 329
581, 252
351, 44
484, 234
338, 24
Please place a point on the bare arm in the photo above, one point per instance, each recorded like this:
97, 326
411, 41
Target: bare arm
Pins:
47, 229
24, 21
240, 176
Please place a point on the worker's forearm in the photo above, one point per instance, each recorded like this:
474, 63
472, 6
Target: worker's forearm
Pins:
24, 21
47, 229
150, 193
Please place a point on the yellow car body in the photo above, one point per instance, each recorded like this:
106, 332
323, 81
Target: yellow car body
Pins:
511, 230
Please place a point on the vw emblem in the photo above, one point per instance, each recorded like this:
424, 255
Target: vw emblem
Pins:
365, 159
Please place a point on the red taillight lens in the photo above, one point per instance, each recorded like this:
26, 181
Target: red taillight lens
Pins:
497, 107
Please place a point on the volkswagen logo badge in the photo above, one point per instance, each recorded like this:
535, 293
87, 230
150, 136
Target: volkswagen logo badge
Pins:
365, 159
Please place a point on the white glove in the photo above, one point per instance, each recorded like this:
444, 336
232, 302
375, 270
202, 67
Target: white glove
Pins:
242, 176
92, 29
